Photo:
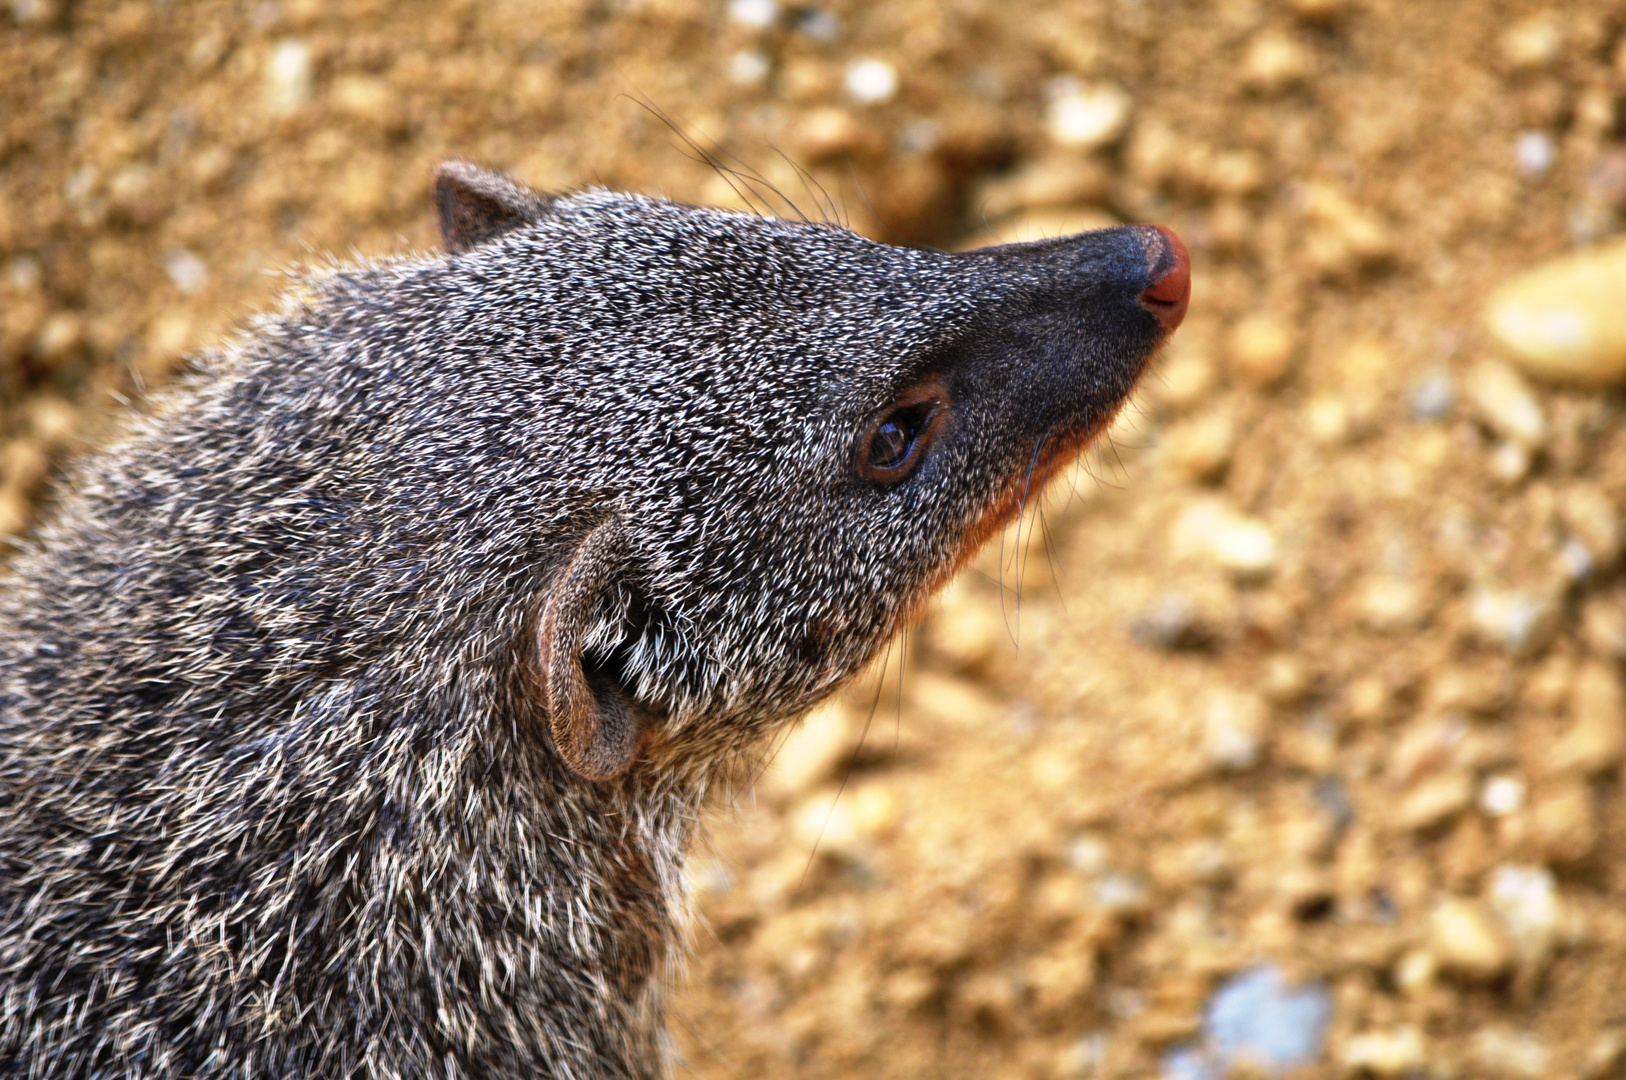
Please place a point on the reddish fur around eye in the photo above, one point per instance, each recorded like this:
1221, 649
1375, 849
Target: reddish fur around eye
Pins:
931, 393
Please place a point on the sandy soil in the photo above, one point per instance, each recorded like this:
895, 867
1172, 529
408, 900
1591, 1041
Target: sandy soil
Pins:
1316, 664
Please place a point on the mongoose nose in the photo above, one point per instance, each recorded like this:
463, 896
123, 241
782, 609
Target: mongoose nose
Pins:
1170, 267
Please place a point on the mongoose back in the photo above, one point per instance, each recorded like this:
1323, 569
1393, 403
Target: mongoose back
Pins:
358, 701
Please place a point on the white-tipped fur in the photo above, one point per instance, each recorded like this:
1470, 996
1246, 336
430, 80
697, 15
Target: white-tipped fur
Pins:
278, 795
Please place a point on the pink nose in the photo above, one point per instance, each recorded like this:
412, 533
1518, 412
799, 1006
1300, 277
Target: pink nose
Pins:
1170, 265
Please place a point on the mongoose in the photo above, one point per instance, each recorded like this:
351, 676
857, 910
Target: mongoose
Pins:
358, 701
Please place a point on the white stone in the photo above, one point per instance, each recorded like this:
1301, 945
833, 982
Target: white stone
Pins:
288, 75
1087, 117
871, 82
1525, 900
1509, 462
1519, 622
1245, 546
1233, 729
186, 270
1508, 1052
748, 67
755, 14
1535, 153
1501, 795
1212, 530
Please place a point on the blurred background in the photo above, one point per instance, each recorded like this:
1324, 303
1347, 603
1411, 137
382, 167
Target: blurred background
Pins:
1287, 737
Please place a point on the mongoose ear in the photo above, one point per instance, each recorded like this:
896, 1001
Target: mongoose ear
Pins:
594, 725
476, 205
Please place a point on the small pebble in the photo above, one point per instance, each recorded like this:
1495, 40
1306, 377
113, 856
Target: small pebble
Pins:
1234, 729
1286, 680
1326, 418
1501, 796
1256, 1021
1535, 153
1596, 738
1575, 560
811, 752
871, 82
1564, 822
1533, 43
1467, 940
1089, 855
1350, 236
1525, 899
1603, 626
1389, 602
1200, 448
748, 67
754, 14
1087, 117
1212, 530
1397, 1052
1119, 894
1509, 462
1260, 348
819, 25
1171, 622
965, 631
59, 337
1057, 179
367, 98
1275, 62
1507, 406
1592, 519
1425, 747
186, 270
920, 137
1563, 322
829, 132
30, 12
1415, 971
824, 821
1435, 800
288, 76
1245, 546
1507, 1052
1433, 397
1521, 623
876, 811
25, 272
1184, 380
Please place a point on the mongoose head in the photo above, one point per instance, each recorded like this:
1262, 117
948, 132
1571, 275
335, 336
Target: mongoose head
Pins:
765, 443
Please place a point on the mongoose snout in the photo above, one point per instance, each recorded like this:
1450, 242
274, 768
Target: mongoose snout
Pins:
1170, 266
358, 702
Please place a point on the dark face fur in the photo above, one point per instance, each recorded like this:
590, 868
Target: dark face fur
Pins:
797, 433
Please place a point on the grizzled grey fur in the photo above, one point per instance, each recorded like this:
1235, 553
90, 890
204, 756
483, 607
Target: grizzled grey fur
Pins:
357, 703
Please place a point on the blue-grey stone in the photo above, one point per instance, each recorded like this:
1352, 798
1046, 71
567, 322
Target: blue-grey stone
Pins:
1259, 1018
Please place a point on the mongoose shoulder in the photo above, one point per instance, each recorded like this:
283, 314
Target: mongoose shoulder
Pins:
357, 703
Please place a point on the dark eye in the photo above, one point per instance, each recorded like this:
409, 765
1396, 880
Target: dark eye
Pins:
891, 442
896, 442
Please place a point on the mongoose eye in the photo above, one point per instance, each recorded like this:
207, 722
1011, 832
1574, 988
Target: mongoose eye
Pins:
897, 440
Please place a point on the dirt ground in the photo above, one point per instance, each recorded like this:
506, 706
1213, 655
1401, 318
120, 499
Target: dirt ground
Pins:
1315, 665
